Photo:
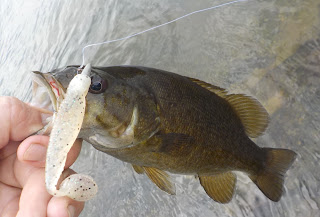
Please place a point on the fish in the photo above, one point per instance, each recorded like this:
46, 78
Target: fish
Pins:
162, 122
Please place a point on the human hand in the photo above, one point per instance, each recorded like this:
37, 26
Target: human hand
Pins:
22, 160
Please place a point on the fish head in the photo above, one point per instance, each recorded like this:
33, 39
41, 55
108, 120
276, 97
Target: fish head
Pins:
111, 113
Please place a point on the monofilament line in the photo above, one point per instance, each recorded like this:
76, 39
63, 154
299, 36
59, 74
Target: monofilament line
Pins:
155, 27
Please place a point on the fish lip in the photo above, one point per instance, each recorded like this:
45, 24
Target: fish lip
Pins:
40, 80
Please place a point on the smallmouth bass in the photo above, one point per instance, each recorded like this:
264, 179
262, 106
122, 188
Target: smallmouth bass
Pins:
160, 121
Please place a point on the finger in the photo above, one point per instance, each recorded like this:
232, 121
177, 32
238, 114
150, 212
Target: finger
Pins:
64, 207
32, 154
17, 120
34, 197
12, 208
7, 174
8, 150
33, 150
7, 159
7, 194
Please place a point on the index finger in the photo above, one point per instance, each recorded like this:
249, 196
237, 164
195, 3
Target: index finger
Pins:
17, 120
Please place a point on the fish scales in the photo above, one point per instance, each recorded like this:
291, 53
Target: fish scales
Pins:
218, 135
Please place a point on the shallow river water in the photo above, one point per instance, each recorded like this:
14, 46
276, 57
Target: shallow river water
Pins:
268, 49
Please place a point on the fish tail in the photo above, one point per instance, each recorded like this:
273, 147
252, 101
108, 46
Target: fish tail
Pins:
270, 179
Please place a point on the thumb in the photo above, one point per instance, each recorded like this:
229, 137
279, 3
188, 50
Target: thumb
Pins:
33, 151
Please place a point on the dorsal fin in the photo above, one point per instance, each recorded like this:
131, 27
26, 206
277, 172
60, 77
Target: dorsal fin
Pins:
252, 114
215, 89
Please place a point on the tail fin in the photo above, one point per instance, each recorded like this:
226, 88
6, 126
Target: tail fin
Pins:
270, 180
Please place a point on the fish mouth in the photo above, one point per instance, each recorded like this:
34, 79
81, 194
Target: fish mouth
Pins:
47, 95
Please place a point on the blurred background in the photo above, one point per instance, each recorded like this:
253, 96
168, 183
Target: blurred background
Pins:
268, 49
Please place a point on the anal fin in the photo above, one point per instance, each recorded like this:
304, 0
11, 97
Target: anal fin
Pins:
219, 187
161, 179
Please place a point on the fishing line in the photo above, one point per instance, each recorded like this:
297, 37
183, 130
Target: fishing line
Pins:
155, 27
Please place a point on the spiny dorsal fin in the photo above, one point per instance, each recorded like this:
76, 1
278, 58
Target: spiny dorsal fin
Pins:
215, 89
219, 187
252, 114
161, 179
138, 169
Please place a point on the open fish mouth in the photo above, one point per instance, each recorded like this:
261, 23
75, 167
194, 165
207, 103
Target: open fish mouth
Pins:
47, 95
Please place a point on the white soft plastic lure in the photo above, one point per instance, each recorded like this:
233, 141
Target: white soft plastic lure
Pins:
66, 126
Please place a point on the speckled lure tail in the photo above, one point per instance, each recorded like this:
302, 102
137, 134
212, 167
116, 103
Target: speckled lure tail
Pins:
66, 127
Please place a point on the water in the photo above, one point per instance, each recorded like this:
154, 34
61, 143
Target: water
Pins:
269, 49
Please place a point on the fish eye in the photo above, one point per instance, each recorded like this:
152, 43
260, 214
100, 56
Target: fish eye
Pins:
98, 85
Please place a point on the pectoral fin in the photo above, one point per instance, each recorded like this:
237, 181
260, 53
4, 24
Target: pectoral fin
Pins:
161, 179
219, 187
173, 144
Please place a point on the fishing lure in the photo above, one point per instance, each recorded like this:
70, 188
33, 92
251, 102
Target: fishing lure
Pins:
66, 127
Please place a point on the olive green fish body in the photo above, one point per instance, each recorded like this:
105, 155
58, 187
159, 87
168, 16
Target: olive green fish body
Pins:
199, 131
